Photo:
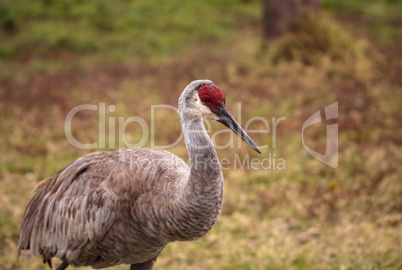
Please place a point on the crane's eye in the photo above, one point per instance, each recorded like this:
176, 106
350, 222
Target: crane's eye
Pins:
206, 100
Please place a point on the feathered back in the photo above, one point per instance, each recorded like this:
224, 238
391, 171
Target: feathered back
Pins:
72, 211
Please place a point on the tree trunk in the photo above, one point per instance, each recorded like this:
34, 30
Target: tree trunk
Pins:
279, 15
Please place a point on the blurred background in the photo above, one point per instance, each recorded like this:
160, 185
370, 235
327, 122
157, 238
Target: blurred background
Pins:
277, 58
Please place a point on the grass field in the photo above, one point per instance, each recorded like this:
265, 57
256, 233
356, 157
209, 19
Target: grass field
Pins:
56, 55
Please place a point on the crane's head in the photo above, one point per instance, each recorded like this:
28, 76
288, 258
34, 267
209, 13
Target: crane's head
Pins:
204, 99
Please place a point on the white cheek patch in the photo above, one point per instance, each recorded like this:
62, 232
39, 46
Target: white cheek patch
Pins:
204, 110
197, 100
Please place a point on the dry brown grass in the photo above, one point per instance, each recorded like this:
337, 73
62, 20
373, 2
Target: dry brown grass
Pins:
308, 216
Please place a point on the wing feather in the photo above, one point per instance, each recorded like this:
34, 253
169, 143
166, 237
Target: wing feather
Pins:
80, 212
68, 211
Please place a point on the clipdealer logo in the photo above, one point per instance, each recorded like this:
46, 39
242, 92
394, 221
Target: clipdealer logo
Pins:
330, 157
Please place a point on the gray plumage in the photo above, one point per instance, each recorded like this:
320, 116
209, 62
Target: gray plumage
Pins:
124, 206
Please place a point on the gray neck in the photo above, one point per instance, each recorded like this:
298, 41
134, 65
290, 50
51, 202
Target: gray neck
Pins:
202, 196
205, 169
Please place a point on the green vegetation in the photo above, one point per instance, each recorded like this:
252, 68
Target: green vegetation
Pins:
57, 54
118, 30
381, 19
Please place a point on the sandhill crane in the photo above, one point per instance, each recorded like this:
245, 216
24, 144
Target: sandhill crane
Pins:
103, 210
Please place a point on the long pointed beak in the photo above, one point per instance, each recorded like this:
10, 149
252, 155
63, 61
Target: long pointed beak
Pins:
227, 119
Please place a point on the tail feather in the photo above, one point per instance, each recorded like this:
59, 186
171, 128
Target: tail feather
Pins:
30, 218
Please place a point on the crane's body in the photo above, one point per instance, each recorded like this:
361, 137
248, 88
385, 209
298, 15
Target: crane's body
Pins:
124, 206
